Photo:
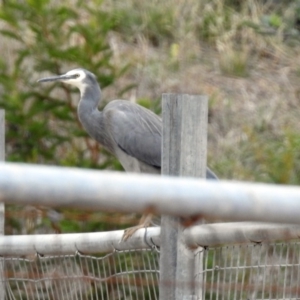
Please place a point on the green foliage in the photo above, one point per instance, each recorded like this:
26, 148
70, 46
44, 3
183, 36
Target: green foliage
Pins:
275, 20
275, 157
42, 125
155, 105
154, 20
234, 63
46, 38
264, 156
214, 20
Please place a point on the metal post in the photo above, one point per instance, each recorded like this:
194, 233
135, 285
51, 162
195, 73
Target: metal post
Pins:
2, 207
183, 154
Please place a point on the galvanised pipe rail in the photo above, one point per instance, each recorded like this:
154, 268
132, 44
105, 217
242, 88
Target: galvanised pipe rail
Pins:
211, 235
85, 243
113, 191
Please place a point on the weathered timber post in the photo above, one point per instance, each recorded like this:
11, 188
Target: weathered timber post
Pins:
184, 149
2, 207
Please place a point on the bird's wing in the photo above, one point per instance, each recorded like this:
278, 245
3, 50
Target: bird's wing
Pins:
136, 130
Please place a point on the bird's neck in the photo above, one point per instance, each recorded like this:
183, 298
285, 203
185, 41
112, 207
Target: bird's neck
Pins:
88, 108
91, 118
90, 98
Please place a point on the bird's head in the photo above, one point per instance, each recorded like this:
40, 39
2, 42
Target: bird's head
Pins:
80, 78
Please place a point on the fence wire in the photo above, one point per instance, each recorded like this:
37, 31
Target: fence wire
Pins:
256, 271
253, 271
118, 275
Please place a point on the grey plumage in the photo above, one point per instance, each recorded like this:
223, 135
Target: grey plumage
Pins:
129, 131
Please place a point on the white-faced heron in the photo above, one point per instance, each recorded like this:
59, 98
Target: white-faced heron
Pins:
129, 131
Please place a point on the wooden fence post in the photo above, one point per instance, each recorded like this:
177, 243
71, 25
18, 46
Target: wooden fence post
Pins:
183, 154
2, 207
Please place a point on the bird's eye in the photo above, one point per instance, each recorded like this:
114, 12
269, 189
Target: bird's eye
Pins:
77, 75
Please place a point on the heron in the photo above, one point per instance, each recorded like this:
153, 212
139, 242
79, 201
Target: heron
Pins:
129, 131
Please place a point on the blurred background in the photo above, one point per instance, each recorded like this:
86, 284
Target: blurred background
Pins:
245, 55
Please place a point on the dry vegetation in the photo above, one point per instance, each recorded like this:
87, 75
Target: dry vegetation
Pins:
248, 68
243, 54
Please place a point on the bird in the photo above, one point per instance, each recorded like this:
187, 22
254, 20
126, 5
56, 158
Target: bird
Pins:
129, 131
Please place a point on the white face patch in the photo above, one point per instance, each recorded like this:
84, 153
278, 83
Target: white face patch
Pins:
80, 73
78, 81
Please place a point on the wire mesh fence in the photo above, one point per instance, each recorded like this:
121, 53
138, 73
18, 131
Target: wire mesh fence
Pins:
118, 275
253, 271
248, 271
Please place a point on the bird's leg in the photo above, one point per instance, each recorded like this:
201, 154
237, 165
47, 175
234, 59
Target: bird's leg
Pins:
145, 221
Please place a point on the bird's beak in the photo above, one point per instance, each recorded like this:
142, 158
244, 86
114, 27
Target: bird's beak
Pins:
57, 78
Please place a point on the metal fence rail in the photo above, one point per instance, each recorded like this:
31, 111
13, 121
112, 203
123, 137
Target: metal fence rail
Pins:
206, 235
94, 242
114, 191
